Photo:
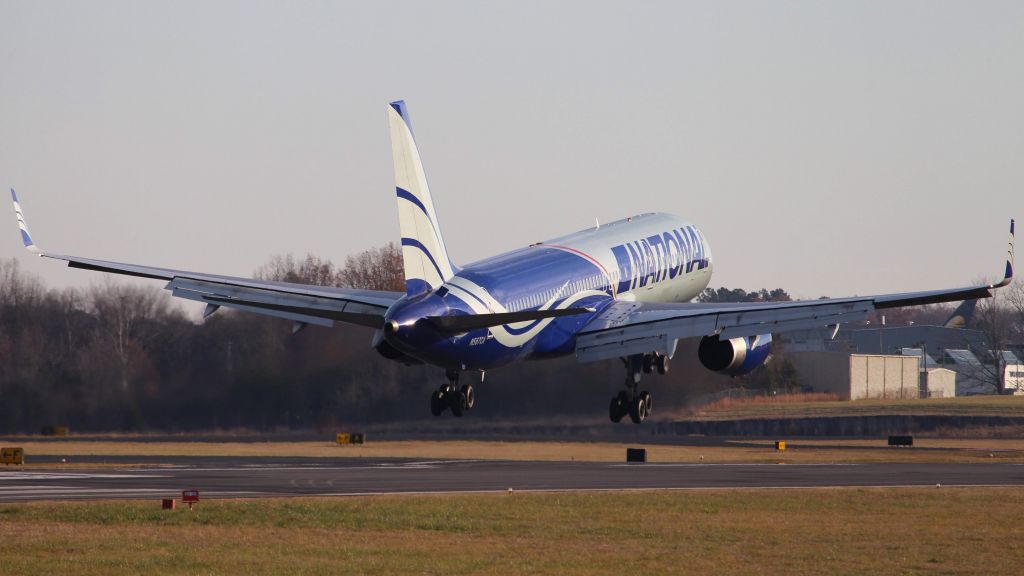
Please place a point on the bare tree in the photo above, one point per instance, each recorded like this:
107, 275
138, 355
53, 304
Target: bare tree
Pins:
1014, 299
128, 318
18, 288
378, 268
309, 270
993, 320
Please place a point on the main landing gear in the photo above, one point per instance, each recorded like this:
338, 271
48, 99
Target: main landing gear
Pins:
450, 395
637, 404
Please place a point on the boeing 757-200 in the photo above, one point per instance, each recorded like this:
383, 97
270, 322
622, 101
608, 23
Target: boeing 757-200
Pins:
618, 290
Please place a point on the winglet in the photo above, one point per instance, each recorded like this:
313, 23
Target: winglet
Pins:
26, 237
1008, 275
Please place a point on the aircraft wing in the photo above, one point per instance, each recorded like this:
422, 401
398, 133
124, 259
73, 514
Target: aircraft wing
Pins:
627, 328
302, 303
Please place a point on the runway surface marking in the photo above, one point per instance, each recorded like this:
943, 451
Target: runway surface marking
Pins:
255, 477
4, 475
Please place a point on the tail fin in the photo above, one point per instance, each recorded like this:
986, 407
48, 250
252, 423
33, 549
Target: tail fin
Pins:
961, 317
426, 260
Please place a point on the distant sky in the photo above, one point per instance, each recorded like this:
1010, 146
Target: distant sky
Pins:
825, 147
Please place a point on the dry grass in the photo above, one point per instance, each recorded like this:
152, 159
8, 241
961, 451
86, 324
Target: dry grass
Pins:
798, 406
798, 451
729, 404
833, 531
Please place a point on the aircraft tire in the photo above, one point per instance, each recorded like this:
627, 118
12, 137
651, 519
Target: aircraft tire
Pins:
645, 396
636, 410
616, 410
662, 364
438, 403
458, 403
467, 393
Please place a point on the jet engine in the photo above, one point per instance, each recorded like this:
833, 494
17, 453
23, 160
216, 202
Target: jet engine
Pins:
736, 356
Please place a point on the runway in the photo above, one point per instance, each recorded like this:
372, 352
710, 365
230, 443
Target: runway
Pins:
288, 477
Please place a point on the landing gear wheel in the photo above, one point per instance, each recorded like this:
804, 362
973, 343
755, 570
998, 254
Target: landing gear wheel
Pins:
645, 397
438, 403
618, 407
662, 364
637, 410
458, 403
467, 391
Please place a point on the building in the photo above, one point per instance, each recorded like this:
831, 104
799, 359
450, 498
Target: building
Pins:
972, 376
938, 382
859, 376
890, 339
1013, 374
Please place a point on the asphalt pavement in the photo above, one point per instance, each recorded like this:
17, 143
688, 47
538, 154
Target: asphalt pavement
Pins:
257, 477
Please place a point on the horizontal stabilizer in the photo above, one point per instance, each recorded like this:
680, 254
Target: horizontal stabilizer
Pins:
465, 323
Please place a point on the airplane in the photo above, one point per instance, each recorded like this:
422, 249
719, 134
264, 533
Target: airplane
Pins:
617, 290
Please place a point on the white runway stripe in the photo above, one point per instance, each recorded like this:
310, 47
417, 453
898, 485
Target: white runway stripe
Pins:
19, 493
70, 475
70, 489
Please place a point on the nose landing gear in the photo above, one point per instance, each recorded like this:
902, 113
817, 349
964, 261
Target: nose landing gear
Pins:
637, 404
450, 395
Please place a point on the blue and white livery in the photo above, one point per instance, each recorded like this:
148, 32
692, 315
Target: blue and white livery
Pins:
618, 290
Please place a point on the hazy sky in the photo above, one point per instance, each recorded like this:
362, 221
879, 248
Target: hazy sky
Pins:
824, 147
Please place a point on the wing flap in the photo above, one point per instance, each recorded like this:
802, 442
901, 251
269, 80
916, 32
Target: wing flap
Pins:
297, 307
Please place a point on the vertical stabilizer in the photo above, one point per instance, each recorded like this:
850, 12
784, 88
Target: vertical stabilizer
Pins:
423, 252
961, 317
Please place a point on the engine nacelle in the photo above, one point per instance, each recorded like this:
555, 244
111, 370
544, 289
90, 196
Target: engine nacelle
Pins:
736, 356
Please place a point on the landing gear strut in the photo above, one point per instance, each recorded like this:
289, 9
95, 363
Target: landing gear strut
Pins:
637, 404
450, 395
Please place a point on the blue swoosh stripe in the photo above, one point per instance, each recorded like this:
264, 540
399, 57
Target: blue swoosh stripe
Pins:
403, 193
417, 244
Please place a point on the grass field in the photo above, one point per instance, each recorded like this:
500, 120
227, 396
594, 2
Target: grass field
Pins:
784, 407
798, 451
828, 531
